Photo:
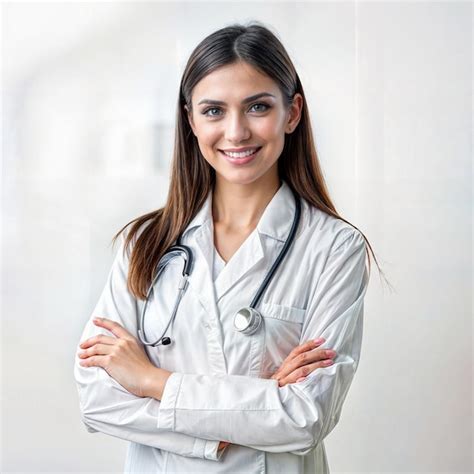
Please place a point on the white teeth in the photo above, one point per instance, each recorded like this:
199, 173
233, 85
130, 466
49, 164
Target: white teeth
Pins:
233, 154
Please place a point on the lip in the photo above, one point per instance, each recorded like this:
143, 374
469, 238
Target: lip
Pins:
241, 161
240, 150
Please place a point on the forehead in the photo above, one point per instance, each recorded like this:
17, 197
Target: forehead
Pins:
234, 82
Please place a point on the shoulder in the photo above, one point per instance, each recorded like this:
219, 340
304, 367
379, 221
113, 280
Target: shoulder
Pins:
327, 233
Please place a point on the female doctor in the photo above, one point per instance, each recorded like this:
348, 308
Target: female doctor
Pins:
229, 381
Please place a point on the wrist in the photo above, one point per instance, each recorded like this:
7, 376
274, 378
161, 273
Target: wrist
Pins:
155, 383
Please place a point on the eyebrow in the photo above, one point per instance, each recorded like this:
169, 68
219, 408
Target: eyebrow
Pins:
245, 101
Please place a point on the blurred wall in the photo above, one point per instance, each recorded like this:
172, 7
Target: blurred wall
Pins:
89, 98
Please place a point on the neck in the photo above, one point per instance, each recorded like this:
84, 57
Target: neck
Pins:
239, 206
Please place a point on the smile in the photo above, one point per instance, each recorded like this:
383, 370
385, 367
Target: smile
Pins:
242, 157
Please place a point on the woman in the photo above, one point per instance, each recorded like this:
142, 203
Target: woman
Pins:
209, 396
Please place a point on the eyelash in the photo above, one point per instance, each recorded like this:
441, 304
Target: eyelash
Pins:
204, 112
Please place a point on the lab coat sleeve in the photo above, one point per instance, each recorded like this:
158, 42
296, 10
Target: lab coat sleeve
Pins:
257, 412
105, 405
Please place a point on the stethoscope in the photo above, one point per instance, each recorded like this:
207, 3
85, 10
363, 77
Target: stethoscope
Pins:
247, 320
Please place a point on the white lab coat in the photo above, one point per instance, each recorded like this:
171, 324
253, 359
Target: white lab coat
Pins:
220, 387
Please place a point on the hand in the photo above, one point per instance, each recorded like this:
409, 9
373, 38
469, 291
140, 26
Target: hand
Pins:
122, 357
303, 360
222, 445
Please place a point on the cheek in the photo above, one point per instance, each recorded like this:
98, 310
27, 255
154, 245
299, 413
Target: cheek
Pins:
207, 134
271, 130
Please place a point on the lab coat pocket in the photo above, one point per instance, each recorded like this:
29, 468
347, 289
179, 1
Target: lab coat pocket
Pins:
283, 325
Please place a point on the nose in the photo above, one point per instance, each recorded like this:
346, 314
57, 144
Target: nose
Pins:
236, 128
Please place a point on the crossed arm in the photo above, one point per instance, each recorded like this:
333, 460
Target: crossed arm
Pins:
196, 412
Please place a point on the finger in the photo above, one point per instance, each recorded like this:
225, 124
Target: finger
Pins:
96, 349
307, 346
114, 327
94, 361
102, 338
304, 359
303, 372
285, 369
276, 375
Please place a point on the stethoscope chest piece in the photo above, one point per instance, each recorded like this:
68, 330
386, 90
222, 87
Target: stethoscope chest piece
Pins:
247, 321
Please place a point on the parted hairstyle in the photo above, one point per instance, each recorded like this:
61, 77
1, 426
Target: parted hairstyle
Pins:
192, 178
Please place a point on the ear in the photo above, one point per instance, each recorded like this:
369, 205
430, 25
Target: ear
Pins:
190, 118
294, 114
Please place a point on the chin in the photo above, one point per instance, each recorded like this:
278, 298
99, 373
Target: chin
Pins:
242, 177
238, 178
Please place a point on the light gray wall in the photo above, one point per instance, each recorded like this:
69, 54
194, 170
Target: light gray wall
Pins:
89, 98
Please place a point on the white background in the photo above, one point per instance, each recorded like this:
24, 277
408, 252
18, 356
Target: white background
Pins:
89, 93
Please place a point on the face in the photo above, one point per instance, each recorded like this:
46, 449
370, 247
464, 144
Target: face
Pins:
240, 119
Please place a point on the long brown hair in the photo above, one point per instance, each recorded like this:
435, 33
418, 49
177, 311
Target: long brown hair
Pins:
192, 178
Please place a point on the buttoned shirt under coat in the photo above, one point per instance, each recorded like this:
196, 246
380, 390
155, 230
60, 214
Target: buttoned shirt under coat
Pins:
220, 388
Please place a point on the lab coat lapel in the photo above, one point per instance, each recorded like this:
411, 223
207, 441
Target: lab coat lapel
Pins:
201, 240
249, 254
275, 222
203, 288
199, 236
202, 272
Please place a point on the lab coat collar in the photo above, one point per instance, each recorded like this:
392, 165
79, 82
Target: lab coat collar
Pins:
278, 216
275, 221
254, 253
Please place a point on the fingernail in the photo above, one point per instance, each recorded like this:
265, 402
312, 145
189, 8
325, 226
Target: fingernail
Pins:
96, 320
328, 362
300, 379
319, 340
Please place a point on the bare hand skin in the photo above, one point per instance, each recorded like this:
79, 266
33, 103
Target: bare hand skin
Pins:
223, 444
303, 360
124, 359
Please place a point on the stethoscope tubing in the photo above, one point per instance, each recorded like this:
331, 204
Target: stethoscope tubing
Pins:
281, 255
174, 251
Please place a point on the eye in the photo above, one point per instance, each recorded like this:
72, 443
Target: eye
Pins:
215, 111
265, 107
205, 112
